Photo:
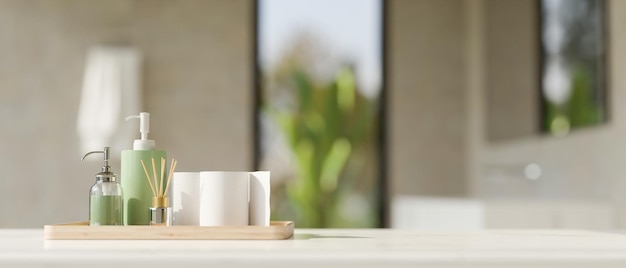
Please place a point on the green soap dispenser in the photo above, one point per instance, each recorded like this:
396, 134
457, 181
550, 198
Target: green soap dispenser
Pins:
105, 202
137, 192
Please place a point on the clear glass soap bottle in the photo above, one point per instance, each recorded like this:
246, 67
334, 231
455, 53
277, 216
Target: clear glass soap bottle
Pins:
106, 203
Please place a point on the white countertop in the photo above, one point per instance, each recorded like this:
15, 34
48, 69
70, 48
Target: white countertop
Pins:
329, 248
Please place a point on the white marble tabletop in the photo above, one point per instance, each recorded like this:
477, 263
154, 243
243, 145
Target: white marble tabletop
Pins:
329, 248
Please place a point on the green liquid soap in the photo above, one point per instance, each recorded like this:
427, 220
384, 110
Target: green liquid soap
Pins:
137, 192
106, 210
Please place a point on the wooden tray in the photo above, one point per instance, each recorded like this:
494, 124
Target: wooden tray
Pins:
82, 231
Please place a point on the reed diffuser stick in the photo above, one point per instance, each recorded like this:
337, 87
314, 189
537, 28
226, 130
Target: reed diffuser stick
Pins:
155, 178
169, 177
162, 174
148, 177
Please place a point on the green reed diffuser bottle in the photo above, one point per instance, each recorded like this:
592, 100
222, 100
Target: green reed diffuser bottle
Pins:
105, 202
137, 193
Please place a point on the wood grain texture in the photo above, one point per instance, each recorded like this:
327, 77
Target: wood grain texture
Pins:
277, 230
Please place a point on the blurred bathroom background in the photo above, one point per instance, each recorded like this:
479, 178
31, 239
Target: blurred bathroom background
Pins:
423, 114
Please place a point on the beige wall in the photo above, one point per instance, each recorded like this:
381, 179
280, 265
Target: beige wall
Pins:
511, 60
426, 109
463, 107
586, 164
197, 78
583, 183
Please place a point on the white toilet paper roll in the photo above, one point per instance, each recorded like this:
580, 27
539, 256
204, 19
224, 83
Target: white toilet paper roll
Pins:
185, 193
223, 198
260, 198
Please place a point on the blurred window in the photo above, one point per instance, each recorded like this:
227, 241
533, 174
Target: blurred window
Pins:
319, 110
573, 46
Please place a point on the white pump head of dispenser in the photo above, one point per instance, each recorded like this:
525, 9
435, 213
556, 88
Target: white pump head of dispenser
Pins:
144, 127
